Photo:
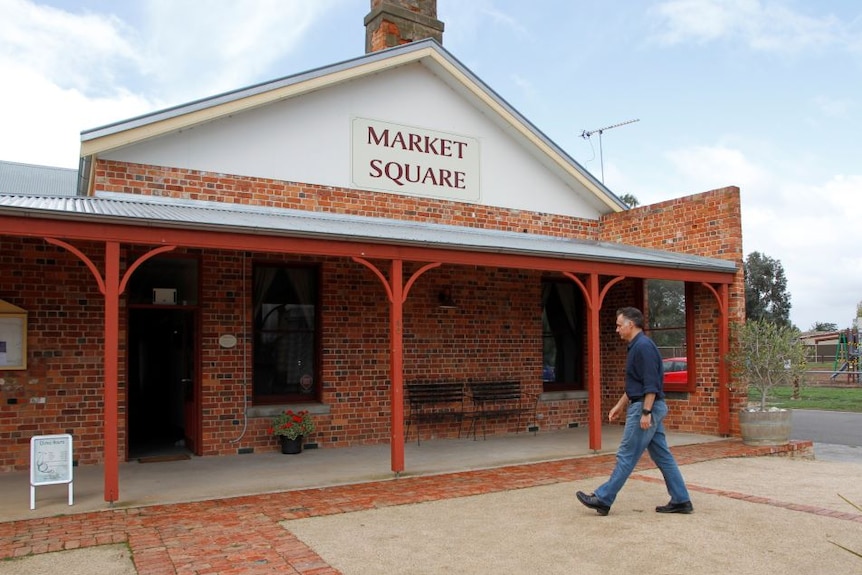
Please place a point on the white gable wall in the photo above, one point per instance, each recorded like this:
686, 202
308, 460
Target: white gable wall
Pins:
307, 139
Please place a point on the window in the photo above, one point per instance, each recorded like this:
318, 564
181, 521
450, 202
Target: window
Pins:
562, 336
675, 371
285, 334
667, 306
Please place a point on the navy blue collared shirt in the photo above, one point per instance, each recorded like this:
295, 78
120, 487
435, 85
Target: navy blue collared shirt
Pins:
644, 368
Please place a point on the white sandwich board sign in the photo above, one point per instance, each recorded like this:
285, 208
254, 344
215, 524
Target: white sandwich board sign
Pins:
50, 463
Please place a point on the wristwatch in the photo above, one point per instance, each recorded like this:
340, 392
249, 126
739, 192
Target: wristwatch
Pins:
646, 411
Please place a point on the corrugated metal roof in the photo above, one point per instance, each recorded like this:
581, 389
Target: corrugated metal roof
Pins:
30, 179
187, 214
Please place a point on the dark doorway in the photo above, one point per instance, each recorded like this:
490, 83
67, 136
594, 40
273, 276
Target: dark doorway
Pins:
161, 401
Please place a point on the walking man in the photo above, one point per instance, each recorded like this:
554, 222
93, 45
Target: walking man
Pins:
645, 408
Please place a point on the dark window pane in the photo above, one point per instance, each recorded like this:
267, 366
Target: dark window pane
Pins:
562, 336
285, 304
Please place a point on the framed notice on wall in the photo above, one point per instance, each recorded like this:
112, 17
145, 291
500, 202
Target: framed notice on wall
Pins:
13, 337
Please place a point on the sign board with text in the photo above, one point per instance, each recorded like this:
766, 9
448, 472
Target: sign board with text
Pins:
414, 161
50, 462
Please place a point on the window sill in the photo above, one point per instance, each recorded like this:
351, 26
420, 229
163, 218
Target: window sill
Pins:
563, 395
273, 410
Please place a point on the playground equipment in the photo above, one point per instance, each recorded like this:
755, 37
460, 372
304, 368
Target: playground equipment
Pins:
847, 355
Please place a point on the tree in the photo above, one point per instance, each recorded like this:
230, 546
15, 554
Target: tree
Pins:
766, 294
630, 200
824, 326
766, 355
666, 306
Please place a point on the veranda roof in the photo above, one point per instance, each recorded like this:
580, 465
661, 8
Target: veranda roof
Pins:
220, 217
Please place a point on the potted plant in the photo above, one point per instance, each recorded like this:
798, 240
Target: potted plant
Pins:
766, 355
291, 427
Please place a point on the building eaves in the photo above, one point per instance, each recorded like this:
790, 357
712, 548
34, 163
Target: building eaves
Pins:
428, 51
216, 216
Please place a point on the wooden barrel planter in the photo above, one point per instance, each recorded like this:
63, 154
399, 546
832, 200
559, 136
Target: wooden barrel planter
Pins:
765, 427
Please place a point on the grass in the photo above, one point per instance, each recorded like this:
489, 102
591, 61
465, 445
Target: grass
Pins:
817, 397
824, 365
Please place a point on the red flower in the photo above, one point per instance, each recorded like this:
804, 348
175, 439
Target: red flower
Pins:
292, 424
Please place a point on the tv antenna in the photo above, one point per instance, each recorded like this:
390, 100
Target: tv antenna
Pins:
586, 134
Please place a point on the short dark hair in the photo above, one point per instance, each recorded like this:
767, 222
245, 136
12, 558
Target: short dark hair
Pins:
633, 314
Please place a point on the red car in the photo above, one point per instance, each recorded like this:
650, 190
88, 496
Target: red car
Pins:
676, 370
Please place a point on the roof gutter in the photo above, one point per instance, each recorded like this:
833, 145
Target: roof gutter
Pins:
85, 176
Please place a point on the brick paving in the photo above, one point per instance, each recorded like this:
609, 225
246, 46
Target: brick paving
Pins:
242, 535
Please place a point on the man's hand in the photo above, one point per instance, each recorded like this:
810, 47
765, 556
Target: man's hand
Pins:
614, 413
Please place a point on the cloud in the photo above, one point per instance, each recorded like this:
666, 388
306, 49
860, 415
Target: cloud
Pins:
506, 20
766, 194
78, 71
833, 107
43, 123
64, 68
767, 26
193, 53
711, 167
81, 52
789, 220
476, 17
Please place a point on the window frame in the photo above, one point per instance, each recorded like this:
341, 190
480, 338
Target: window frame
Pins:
691, 380
579, 333
261, 399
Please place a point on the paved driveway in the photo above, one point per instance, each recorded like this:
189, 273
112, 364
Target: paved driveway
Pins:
833, 427
837, 435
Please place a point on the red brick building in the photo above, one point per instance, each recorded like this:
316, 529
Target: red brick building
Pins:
291, 245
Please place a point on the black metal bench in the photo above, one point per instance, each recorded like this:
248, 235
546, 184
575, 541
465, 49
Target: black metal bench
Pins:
500, 399
430, 402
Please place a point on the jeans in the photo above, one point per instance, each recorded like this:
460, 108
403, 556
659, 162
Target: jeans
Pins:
635, 442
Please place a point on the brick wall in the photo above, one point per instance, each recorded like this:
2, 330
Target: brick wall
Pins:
64, 351
495, 331
203, 186
707, 224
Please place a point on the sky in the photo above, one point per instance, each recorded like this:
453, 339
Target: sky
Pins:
765, 95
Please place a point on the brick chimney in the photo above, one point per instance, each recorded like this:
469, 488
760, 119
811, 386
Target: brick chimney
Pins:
395, 22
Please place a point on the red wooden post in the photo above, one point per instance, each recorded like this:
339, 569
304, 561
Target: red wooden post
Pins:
112, 330
396, 340
594, 367
723, 350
